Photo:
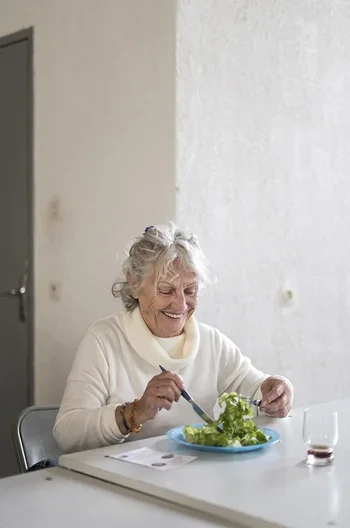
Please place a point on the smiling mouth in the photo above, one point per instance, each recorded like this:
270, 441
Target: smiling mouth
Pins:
172, 315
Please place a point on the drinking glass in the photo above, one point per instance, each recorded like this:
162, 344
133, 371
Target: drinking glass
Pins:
320, 433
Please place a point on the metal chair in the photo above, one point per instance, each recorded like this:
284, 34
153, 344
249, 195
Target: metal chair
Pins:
33, 437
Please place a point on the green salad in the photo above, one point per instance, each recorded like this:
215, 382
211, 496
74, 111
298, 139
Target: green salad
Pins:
238, 428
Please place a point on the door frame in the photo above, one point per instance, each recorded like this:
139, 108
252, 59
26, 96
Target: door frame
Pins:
7, 40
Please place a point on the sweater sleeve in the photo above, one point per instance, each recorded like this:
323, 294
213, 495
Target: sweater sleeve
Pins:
236, 373
85, 420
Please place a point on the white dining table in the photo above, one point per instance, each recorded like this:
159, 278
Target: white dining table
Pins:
268, 488
59, 498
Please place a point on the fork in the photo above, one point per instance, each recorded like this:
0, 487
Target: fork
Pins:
257, 403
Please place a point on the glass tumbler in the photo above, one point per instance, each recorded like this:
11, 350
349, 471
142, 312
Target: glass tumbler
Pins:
320, 433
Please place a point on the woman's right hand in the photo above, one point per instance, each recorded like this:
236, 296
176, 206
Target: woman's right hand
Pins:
160, 393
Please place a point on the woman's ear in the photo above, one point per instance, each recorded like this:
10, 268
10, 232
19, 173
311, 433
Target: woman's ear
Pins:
130, 279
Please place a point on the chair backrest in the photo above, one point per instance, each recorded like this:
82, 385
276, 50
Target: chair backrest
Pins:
33, 437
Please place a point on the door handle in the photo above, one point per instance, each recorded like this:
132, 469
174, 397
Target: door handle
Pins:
21, 294
13, 292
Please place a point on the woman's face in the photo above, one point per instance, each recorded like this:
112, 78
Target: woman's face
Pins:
167, 305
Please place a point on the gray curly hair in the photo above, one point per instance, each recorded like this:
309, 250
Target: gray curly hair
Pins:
156, 251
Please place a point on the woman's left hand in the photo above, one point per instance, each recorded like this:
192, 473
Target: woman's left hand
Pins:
276, 396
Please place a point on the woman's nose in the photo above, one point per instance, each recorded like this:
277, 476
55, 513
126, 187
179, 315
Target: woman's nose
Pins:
179, 303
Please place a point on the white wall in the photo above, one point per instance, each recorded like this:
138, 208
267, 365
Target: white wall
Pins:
104, 144
263, 135
263, 129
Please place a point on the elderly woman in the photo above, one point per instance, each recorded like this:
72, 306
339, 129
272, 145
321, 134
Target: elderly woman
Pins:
115, 388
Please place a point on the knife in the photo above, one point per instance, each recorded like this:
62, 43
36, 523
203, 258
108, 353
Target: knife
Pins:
197, 409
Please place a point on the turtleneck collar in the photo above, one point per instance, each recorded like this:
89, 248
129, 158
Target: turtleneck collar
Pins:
146, 345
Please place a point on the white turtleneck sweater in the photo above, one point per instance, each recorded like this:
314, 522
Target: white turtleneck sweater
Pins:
117, 357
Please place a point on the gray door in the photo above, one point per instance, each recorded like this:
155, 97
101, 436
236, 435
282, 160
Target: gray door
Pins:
16, 306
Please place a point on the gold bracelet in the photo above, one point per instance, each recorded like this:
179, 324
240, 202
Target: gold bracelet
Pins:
133, 427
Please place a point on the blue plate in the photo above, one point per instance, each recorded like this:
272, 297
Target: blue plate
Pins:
177, 436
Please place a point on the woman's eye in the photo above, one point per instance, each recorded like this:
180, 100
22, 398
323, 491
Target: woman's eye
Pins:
165, 292
191, 292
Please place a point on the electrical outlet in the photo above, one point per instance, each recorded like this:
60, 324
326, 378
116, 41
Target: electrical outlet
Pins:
288, 294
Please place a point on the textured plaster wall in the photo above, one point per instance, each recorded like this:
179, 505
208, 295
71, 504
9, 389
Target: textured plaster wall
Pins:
262, 163
263, 158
